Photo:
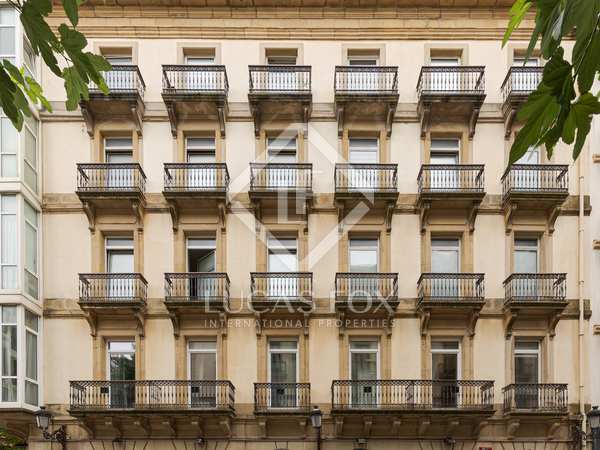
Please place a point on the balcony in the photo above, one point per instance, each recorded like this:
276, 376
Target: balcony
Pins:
289, 292
195, 92
535, 187
279, 92
113, 295
450, 93
123, 102
520, 81
282, 398
527, 399
373, 181
366, 293
153, 407
535, 296
277, 179
412, 396
366, 92
190, 294
450, 296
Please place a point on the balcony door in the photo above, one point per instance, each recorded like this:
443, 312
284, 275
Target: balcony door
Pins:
283, 373
119, 80
283, 80
202, 363
445, 258
363, 257
201, 150
363, 151
119, 260
282, 258
527, 373
363, 81
364, 371
119, 150
121, 374
202, 257
445, 80
281, 150
199, 80
525, 81
528, 179
445, 372
444, 152
526, 260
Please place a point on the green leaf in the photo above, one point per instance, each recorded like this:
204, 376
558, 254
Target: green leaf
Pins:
580, 119
590, 65
71, 8
517, 13
75, 87
13, 71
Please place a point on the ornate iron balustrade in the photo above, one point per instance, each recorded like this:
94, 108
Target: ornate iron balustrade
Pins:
366, 178
451, 178
542, 398
272, 286
535, 287
112, 287
280, 177
124, 79
151, 395
460, 395
280, 79
451, 80
453, 287
281, 397
366, 286
521, 81
111, 178
196, 177
366, 80
188, 79
536, 179
209, 288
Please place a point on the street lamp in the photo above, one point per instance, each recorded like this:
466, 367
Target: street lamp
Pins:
593, 417
316, 417
43, 420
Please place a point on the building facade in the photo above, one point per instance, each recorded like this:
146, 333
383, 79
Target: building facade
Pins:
284, 206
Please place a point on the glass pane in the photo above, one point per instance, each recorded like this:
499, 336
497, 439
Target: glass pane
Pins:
122, 366
202, 243
282, 143
120, 261
31, 214
8, 252
31, 249
526, 369
7, 41
202, 345
444, 345
363, 260
31, 356
364, 366
8, 133
119, 60
9, 314
9, 204
118, 143
9, 277
31, 320
531, 156
283, 367
31, 393
283, 345
119, 157
30, 177
285, 262
445, 144
200, 143
116, 346
119, 242
9, 350
444, 158
9, 390
444, 61
444, 366
527, 346
525, 261
7, 16
444, 261
201, 157
199, 61
203, 366
363, 345
9, 165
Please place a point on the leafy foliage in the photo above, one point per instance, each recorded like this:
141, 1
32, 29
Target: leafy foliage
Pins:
8, 441
562, 107
18, 91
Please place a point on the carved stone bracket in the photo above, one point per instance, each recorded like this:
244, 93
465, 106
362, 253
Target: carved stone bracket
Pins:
172, 117
472, 216
89, 427
262, 427
478, 427
389, 118
339, 425
424, 210
306, 109
225, 425
88, 118
223, 321
144, 424
509, 213
511, 428
553, 214
553, 430
90, 213
553, 322
116, 425
92, 321
137, 114
175, 320
221, 117
472, 322
257, 323
339, 113
396, 423
255, 110
425, 118
339, 206
306, 323
389, 214
423, 426
451, 426
222, 209
473, 120
257, 216
141, 322
341, 316
174, 212
509, 322
424, 319
367, 425
198, 424
138, 211
508, 121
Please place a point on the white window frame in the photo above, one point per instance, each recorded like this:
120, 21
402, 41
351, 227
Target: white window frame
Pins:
36, 333
191, 351
26, 223
354, 146
16, 29
445, 351
14, 153
277, 245
363, 248
526, 248
207, 146
277, 146
294, 351
206, 243
457, 248
34, 167
108, 248
17, 237
360, 60
20, 352
108, 149
537, 352
376, 350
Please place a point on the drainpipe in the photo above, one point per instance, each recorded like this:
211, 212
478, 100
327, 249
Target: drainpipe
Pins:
580, 281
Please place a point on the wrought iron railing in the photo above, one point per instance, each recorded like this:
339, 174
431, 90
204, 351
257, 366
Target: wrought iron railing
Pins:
536, 179
280, 177
280, 79
152, 395
552, 398
196, 177
451, 178
453, 287
412, 394
366, 79
189, 79
125, 79
366, 178
112, 287
111, 177
271, 286
535, 287
366, 286
521, 81
281, 397
207, 288
451, 80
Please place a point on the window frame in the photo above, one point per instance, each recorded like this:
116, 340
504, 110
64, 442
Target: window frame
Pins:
376, 350
529, 249
363, 148
26, 379
295, 351
365, 248
117, 248
19, 352
36, 227
34, 166
16, 265
524, 352
444, 351
190, 351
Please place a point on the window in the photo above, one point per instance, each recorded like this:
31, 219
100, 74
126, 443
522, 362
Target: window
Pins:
367, 57
527, 373
283, 255
526, 256
201, 255
31, 358
364, 368
8, 148
29, 59
520, 61
8, 326
444, 152
445, 370
8, 35
121, 368
30, 153
281, 149
364, 255
8, 242
115, 59
281, 56
199, 57
283, 373
444, 80
120, 80
363, 150
119, 255
118, 150
31, 250
200, 149
202, 363
445, 255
